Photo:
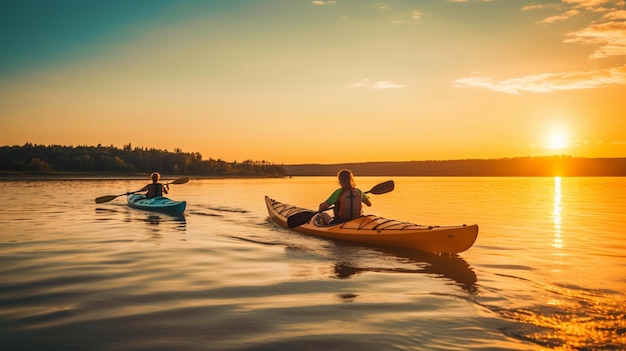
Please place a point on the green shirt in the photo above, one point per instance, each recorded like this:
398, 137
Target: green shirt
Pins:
334, 197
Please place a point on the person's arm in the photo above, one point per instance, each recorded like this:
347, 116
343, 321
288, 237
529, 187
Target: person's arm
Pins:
365, 199
166, 188
323, 206
331, 200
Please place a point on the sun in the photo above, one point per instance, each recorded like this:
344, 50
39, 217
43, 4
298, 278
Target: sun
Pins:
556, 140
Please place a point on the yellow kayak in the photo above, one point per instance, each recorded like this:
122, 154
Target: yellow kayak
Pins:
379, 231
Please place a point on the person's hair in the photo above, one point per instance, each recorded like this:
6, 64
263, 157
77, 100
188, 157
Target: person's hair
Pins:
158, 176
346, 179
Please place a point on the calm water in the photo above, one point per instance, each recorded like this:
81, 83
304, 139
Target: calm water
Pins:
548, 271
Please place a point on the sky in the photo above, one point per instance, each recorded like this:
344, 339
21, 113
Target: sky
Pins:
301, 81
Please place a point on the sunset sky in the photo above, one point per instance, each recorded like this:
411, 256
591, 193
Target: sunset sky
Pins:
301, 81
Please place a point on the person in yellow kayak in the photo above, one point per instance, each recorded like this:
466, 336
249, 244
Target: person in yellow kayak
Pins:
155, 188
347, 200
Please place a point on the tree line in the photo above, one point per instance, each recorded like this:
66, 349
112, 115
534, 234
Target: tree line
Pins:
517, 166
41, 159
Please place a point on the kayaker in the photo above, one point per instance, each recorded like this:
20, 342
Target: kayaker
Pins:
155, 188
347, 200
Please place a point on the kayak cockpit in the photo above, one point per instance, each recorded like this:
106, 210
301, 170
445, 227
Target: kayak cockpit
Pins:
159, 203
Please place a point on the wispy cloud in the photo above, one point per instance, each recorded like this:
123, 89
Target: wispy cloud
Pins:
548, 82
366, 83
387, 85
561, 17
591, 4
611, 36
616, 15
414, 15
534, 7
608, 31
323, 2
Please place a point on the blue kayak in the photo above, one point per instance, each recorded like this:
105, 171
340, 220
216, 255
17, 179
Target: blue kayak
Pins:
159, 204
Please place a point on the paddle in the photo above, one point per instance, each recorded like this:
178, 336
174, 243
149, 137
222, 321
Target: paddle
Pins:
107, 198
301, 218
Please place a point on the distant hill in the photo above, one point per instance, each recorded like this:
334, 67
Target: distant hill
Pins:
518, 166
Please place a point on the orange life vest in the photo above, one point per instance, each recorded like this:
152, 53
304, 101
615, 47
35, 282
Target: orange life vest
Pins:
349, 205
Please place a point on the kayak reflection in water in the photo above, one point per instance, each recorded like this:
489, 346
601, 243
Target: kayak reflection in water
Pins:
155, 188
347, 200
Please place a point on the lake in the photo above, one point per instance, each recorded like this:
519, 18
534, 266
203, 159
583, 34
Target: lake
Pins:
547, 272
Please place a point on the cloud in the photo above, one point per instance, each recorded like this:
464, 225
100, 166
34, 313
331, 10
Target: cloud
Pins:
616, 15
610, 35
414, 15
322, 2
361, 83
591, 4
607, 31
533, 7
366, 83
548, 82
574, 8
387, 85
561, 17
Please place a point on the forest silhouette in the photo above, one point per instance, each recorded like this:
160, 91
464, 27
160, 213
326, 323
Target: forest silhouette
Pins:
34, 159
55, 159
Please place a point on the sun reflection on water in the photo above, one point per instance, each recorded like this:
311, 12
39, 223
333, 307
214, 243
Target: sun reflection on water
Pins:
576, 320
572, 317
556, 215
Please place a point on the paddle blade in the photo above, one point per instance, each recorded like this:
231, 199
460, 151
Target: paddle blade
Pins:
300, 218
179, 181
107, 198
383, 188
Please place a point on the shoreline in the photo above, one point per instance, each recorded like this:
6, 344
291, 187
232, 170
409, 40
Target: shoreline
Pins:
112, 176
166, 177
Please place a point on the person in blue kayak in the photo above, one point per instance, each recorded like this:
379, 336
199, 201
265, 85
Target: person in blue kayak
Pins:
155, 188
347, 200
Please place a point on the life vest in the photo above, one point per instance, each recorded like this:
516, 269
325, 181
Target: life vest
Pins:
349, 205
154, 190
